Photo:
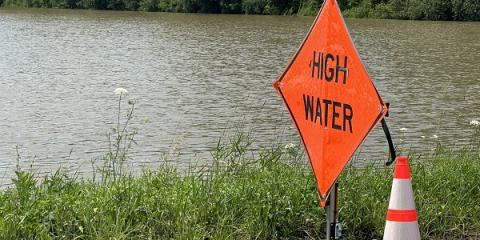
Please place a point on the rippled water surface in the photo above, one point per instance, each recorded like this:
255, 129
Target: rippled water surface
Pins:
196, 76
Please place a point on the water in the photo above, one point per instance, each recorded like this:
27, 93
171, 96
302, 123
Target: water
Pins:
196, 76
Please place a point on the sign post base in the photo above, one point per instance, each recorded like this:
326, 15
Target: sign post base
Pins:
334, 228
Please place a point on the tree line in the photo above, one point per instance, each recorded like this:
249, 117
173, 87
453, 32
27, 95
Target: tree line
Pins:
462, 10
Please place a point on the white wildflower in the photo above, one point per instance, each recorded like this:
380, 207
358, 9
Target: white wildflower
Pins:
121, 91
434, 136
422, 136
403, 129
475, 123
289, 146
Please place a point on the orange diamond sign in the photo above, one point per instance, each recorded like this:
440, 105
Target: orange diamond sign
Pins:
330, 96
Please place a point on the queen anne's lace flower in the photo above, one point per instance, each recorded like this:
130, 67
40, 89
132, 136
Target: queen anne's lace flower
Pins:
121, 91
289, 146
475, 123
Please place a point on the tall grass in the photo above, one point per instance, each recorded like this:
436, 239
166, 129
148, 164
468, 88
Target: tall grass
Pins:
239, 196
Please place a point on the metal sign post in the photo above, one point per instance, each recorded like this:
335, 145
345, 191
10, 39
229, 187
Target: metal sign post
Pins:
333, 228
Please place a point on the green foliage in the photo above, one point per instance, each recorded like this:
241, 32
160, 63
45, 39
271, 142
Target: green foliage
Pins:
415, 10
253, 6
116, 4
362, 10
208, 6
382, 10
309, 7
148, 5
438, 10
131, 5
86, 4
169, 5
462, 10
276, 7
466, 10
230, 6
188, 6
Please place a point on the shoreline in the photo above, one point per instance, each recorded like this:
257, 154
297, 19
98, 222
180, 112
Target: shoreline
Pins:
363, 10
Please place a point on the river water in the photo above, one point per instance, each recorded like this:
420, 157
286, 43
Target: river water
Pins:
195, 77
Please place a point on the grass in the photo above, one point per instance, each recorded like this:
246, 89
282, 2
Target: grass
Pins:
242, 194
269, 195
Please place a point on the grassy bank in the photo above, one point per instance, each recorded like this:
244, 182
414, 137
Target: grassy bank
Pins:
465, 10
269, 195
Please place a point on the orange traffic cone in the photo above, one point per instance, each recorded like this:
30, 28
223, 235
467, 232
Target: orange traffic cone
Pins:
402, 221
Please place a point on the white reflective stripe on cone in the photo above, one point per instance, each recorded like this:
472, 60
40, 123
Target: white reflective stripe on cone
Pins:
401, 231
401, 196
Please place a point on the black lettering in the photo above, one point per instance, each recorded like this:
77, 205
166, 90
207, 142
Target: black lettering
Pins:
329, 78
327, 102
342, 69
322, 66
316, 64
308, 107
318, 113
335, 115
315, 105
347, 117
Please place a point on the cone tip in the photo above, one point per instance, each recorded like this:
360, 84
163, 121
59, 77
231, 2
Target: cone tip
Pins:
402, 171
402, 160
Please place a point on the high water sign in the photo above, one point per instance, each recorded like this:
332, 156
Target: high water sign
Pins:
330, 96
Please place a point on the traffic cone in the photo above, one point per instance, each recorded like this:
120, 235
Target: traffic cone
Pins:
402, 223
